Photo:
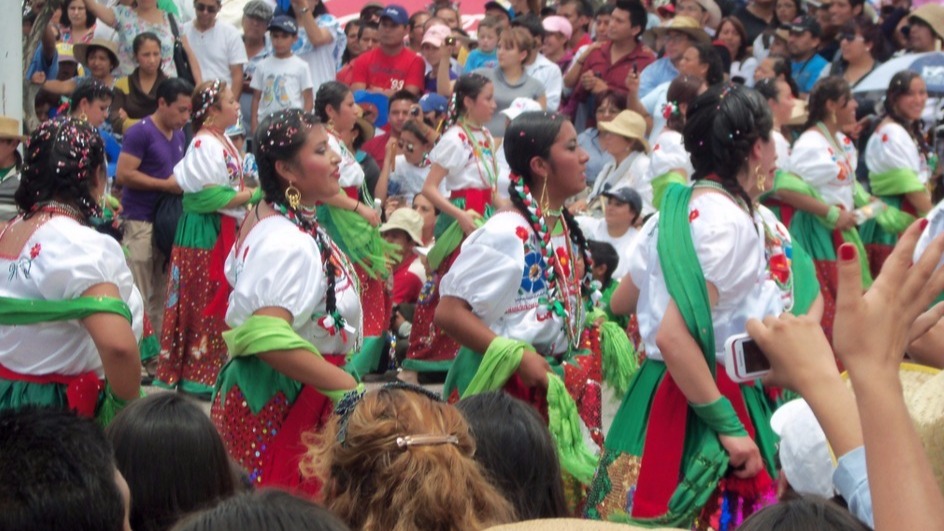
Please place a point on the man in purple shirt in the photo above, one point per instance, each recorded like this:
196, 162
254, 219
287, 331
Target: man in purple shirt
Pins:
151, 149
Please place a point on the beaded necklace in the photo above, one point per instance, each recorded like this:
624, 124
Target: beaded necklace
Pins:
558, 297
490, 178
336, 321
54, 208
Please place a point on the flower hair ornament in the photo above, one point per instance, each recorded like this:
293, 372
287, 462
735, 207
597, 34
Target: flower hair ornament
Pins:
208, 97
670, 109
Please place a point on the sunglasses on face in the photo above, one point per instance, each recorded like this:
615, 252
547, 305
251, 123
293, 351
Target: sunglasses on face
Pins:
205, 7
849, 36
406, 146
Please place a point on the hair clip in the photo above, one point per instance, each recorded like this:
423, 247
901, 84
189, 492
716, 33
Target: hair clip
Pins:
426, 440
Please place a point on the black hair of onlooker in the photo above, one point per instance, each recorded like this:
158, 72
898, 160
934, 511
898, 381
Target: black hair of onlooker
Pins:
604, 10
603, 253
266, 510
58, 473
801, 514
64, 17
403, 95
172, 88
173, 459
532, 24
514, 447
638, 17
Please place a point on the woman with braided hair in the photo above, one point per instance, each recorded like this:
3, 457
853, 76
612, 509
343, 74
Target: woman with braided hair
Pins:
520, 294
294, 310
463, 162
349, 217
69, 311
214, 203
706, 263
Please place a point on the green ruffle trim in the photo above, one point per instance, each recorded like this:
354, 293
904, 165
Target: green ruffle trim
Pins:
358, 240
895, 182
197, 231
149, 347
14, 311
661, 183
501, 360
208, 200
564, 425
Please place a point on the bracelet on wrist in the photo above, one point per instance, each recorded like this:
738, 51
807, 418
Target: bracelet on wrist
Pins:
356, 205
832, 215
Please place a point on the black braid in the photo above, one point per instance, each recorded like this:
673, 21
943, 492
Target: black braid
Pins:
280, 137
577, 237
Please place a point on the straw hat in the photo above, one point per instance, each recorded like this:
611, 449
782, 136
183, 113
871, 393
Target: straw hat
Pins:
81, 50
932, 15
799, 113
923, 391
714, 12
686, 25
627, 124
10, 128
407, 220
569, 524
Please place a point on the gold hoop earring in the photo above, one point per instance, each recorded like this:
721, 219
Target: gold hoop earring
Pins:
293, 196
761, 178
331, 124
83, 117
832, 117
545, 203
208, 122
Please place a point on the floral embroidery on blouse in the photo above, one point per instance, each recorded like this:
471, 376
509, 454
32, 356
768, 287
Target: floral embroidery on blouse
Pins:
24, 264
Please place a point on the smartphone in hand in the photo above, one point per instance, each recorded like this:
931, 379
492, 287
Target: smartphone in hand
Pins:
743, 359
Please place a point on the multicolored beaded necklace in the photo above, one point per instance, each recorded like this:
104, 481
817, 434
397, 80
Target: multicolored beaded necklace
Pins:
559, 295
490, 178
55, 208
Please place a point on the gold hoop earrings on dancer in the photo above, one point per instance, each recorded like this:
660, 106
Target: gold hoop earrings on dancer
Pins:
544, 201
208, 122
83, 117
761, 178
293, 196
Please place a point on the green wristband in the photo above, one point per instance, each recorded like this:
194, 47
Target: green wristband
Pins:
832, 216
720, 417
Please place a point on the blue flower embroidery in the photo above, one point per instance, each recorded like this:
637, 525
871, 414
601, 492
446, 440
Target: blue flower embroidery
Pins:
532, 278
174, 295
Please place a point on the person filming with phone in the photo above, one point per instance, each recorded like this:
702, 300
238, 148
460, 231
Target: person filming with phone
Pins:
711, 259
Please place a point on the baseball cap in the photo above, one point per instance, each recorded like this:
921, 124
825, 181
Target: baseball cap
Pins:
433, 102
407, 220
284, 23
557, 24
807, 23
804, 451
397, 14
436, 35
65, 52
627, 195
258, 9
520, 105
503, 6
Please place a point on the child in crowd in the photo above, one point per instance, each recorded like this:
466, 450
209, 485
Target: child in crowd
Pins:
408, 172
486, 55
282, 80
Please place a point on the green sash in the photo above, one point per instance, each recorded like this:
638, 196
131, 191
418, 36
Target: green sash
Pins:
661, 183
358, 240
256, 335
895, 182
32, 311
208, 200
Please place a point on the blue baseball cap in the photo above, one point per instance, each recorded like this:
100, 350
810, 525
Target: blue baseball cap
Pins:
433, 102
284, 23
397, 14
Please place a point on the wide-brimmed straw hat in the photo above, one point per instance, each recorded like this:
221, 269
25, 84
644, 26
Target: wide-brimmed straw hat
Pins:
571, 524
799, 113
686, 25
629, 124
714, 12
81, 50
932, 15
10, 128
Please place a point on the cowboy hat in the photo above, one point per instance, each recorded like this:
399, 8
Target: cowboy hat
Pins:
628, 124
686, 25
10, 128
81, 50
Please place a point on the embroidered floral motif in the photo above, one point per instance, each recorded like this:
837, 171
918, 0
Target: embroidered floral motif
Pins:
885, 137
24, 265
196, 144
522, 233
693, 215
564, 260
173, 295
532, 278
34, 251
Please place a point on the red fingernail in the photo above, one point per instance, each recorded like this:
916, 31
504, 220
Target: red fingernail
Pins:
846, 252
924, 223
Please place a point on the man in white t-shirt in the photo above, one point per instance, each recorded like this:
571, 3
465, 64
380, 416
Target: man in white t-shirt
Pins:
321, 41
618, 226
218, 47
